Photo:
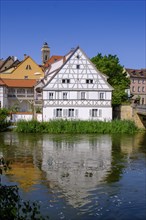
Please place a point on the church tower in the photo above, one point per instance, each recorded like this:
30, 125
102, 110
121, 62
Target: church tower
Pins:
45, 53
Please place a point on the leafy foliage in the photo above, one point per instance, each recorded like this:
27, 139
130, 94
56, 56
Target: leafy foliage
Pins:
3, 116
76, 127
110, 66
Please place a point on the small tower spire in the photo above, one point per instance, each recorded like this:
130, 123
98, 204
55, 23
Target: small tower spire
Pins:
45, 52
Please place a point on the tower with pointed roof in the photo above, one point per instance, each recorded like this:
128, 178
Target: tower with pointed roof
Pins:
45, 52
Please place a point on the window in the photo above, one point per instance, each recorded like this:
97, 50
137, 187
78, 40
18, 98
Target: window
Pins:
78, 57
65, 80
133, 80
89, 81
133, 89
64, 95
70, 112
25, 77
50, 95
28, 67
21, 91
143, 89
94, 112
139, 81
78, 66
83, 95
29, 91
143, 81
138, 88
101, 95
58, 112
46, 57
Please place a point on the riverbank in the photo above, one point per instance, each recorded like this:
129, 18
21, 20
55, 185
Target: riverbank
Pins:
77, 127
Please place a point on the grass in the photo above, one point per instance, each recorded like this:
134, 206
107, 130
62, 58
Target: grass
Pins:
77, 127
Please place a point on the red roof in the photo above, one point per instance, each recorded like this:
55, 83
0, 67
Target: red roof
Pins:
53, 59
25, 83
2, 82
137, 72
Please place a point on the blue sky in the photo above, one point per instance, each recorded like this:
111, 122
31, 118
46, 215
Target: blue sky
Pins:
108, 27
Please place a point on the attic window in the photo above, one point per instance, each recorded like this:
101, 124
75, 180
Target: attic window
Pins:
28, 67
89, 81
65, 80
78, 56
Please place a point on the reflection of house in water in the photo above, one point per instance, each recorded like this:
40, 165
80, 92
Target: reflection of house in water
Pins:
130, 145
76, 167
25, 173
25, 157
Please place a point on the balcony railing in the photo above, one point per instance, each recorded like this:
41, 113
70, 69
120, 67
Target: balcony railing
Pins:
21, 95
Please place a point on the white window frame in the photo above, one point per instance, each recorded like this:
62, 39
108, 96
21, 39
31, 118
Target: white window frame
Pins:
101, 95
64, 95
51, 95
59, 113
95, 113
71, 113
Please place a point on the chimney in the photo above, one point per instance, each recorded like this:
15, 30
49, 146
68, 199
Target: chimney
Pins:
25, 55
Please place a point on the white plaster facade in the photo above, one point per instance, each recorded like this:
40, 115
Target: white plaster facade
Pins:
74, 89
3, 96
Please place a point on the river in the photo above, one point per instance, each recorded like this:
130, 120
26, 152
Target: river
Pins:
79, 177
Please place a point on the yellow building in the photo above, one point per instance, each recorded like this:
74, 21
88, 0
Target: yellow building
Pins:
27, 69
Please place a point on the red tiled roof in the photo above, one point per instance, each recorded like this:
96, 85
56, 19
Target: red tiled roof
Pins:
25, 83
53, 59
2, 82
137, 72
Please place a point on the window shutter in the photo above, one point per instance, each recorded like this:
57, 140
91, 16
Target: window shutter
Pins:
54, 113
76, 113
90, 112
64, 112
100, 112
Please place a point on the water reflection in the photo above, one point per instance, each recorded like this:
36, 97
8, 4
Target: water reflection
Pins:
76, 166
81, 169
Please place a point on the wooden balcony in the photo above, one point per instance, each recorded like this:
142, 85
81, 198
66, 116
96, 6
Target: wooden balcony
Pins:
21, 95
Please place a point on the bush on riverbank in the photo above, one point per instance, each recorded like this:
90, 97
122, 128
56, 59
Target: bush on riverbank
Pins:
3, 119
78, 127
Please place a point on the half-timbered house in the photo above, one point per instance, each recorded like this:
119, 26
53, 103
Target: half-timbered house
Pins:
74, 89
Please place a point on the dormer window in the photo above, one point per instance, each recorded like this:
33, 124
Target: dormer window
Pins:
89, 81
28, 67
65, 80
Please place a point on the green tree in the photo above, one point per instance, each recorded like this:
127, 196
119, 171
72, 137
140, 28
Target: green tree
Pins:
117, 78
3, 119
